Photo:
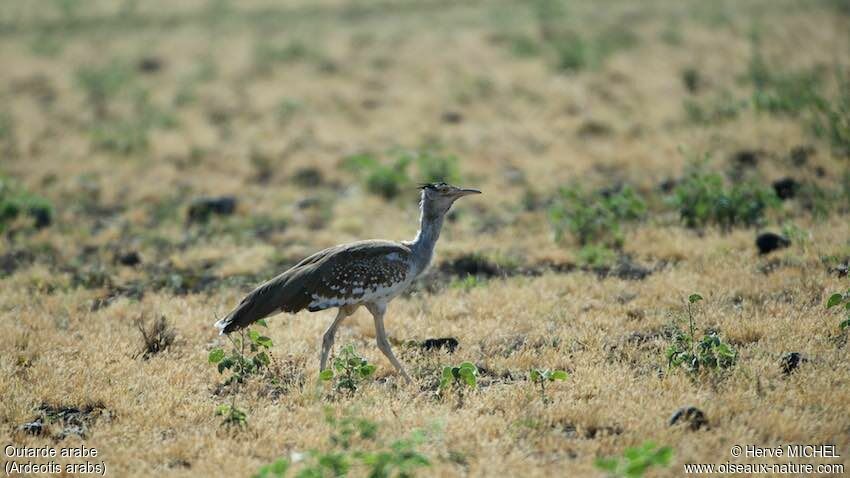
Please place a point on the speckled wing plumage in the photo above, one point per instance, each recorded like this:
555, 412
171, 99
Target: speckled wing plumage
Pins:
356, 273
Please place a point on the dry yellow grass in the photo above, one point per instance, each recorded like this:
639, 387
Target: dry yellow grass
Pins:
381, 76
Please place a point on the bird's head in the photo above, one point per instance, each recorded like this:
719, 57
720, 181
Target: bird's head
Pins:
437, 198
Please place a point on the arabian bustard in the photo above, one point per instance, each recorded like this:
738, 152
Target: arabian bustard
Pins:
369, 273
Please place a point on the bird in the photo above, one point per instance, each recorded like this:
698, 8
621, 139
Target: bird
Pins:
368, 273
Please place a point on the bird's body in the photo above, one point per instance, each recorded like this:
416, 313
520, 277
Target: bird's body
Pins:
344, 275
368, 273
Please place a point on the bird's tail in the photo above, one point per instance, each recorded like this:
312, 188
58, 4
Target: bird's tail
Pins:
224, 325
284, 293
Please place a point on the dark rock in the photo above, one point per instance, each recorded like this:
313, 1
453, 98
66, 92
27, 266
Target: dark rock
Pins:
746, 158
693, 417
768, 242
471, 264
42, 215
800, 154
668, 185
625, 269
129, 258
791, 361
202, 209
691, 79
448, 343
593, 128
149, 64
786, 188
452, 117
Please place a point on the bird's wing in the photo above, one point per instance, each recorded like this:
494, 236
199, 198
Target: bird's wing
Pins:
361, 272
341, 275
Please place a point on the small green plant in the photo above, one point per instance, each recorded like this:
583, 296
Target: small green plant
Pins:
463, 374
708, 353
459, 378
595, 218
703, 199
120, 136
275, 469
240, 365
718, 109
543, 376
102, 83
233, 416
354, 445
349, 369
838, 299
267, 54
797, 235
468, 282
636, 461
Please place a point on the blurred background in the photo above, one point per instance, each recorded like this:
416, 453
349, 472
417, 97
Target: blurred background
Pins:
262, 130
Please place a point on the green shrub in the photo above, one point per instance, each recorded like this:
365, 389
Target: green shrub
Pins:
238, 363
593, 255
636, 461
703, 199
385, 180
594, 218
240, 366
16, 202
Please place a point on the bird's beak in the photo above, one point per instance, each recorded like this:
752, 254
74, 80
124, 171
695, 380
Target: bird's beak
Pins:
467, 191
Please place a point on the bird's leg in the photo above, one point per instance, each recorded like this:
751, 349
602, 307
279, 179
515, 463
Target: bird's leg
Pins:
328, 338
377, 311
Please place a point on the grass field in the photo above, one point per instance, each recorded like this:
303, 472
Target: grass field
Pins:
629, 153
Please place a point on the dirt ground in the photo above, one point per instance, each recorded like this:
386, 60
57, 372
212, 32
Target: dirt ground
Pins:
123, 116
